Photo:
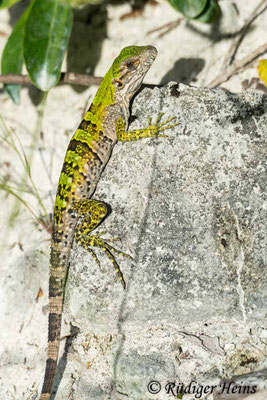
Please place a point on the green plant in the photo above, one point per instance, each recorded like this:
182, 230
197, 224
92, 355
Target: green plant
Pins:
39, 39
199, 10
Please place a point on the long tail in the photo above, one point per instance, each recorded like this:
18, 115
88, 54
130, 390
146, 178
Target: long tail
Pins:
58, 272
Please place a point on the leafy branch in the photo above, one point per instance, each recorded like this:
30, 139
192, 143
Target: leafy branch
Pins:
39, 38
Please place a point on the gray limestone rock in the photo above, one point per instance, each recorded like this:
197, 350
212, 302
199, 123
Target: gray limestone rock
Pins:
191, 209
247, 386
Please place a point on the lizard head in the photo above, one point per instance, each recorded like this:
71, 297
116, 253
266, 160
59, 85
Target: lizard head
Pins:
129, 69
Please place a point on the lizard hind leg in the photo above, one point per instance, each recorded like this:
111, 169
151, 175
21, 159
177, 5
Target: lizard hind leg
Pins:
93, 213
95, 209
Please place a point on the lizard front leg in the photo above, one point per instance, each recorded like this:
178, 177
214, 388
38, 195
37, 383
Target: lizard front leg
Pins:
92, 213
148, 132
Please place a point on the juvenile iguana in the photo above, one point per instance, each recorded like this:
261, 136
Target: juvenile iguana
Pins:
76, 215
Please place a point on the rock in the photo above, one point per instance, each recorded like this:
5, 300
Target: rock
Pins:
251, 386
191, 209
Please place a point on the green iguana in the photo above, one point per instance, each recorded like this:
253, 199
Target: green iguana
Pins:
76, 215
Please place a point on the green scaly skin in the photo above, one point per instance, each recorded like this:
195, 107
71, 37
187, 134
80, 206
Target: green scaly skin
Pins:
75, 214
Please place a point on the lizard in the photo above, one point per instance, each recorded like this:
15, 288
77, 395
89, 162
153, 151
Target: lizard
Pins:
76, 214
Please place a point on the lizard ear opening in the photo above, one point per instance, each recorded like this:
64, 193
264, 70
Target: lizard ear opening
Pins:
118, 83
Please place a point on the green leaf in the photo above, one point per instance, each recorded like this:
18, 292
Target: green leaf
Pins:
189, 8
211, 11
7, 3
12, 57
46, 38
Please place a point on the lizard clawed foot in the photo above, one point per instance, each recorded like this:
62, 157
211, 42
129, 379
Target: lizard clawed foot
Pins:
95, 241
85, 245
159, 127
104, 243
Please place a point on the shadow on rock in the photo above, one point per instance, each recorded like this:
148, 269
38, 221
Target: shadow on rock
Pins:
74, 330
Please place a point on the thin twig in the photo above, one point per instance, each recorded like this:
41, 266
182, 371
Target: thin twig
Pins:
237, 66
237, 41
166, 28
66, 77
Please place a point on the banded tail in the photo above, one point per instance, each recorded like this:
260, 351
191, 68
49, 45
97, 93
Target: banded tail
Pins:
58, 271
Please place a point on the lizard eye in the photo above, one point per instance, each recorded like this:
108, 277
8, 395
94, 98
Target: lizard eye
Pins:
130, 65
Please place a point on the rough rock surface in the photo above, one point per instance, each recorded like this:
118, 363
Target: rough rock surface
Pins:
192, 211
195, 206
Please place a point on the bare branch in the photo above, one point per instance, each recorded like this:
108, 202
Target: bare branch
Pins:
66, 77
237, 66
166, 28
261, 7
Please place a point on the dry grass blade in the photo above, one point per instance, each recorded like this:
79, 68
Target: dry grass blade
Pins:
23, 187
